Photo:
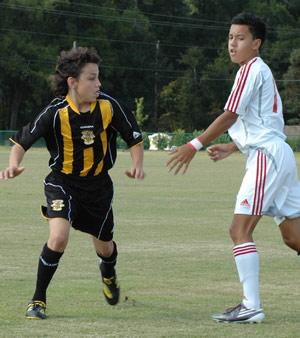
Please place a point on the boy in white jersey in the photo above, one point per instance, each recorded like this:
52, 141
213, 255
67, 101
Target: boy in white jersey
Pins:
253, 118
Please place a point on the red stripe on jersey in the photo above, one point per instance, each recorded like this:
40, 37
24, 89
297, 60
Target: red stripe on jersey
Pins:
235, 96
240, 89
232, 95
275, 106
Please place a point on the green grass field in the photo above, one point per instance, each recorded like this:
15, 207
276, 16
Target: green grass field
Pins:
175, 263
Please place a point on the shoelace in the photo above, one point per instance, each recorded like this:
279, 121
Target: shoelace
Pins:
233, 308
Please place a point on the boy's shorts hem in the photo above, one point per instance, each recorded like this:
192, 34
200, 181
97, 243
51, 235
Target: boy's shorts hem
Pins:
86, 208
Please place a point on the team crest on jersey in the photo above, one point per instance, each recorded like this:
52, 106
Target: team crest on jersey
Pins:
87, 136
57, 205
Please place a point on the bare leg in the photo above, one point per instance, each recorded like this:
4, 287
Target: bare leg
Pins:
102, 248
290, 232
242, 227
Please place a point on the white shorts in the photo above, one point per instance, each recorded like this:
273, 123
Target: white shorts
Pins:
270, 185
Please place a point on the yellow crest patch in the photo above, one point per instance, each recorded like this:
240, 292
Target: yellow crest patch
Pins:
57, 205
87, 136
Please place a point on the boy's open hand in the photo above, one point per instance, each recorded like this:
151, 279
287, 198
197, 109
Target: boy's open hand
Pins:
181, 158
11, 172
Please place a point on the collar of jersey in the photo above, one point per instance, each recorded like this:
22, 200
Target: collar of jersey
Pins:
74, 107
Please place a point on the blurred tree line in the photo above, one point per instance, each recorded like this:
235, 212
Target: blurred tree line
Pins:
165, 60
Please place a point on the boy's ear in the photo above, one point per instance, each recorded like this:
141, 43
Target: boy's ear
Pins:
256, 44
71, 81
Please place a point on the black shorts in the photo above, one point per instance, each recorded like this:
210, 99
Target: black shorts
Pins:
86, 204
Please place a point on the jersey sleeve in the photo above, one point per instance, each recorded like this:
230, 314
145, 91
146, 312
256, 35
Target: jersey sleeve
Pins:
247, 82
125, 123
34, 130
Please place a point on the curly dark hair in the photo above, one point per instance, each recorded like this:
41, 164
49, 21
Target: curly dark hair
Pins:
70, 64
256, 26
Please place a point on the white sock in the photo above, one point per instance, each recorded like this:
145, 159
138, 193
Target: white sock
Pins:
247, 263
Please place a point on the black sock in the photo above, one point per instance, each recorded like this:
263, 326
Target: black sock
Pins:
47, 266
107, 265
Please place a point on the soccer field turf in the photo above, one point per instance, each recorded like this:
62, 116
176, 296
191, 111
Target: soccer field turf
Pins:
175, 262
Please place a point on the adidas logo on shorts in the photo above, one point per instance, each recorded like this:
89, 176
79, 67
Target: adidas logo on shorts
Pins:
245, 203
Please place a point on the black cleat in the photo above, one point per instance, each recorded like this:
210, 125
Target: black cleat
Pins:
36, 310
111, 290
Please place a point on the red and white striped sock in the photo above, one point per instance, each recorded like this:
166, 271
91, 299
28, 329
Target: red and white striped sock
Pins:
247, 263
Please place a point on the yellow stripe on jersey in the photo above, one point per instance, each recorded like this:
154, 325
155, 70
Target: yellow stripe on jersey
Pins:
67, 141
72, 105
106, 111
88, 160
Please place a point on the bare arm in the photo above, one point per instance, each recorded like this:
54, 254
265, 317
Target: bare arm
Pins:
137, 156
221, 124
184, 154
15, 159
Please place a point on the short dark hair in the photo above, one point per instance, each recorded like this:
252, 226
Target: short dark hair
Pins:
70, 64
256, 26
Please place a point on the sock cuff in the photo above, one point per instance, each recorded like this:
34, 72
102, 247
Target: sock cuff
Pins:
243, 249
50, 257
112, 258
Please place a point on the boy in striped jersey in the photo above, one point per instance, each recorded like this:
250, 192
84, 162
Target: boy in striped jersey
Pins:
80, 129
254, 120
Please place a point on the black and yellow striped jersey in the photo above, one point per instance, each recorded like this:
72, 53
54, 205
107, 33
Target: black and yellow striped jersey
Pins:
81, 144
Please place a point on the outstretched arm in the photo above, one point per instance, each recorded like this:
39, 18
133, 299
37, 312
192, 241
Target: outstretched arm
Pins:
15, 159
183, 155
137, 156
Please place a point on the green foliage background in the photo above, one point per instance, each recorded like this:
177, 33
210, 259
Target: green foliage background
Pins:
172, 54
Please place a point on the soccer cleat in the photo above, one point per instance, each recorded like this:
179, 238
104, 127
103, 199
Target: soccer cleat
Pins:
36, 310
111, 290
240, 314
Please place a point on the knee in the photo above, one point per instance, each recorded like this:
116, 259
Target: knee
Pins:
234, 234
57, 242
104, 249
106, 252
239, 234
290, 232
292, 243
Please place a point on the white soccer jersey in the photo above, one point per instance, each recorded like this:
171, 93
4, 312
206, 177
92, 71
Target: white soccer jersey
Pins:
255, 98
270, 185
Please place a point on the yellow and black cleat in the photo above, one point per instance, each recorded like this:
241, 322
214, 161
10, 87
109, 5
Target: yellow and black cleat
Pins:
36, 310
111, 290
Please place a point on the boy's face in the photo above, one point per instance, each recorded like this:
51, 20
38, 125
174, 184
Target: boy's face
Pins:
87, 86
242, 47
